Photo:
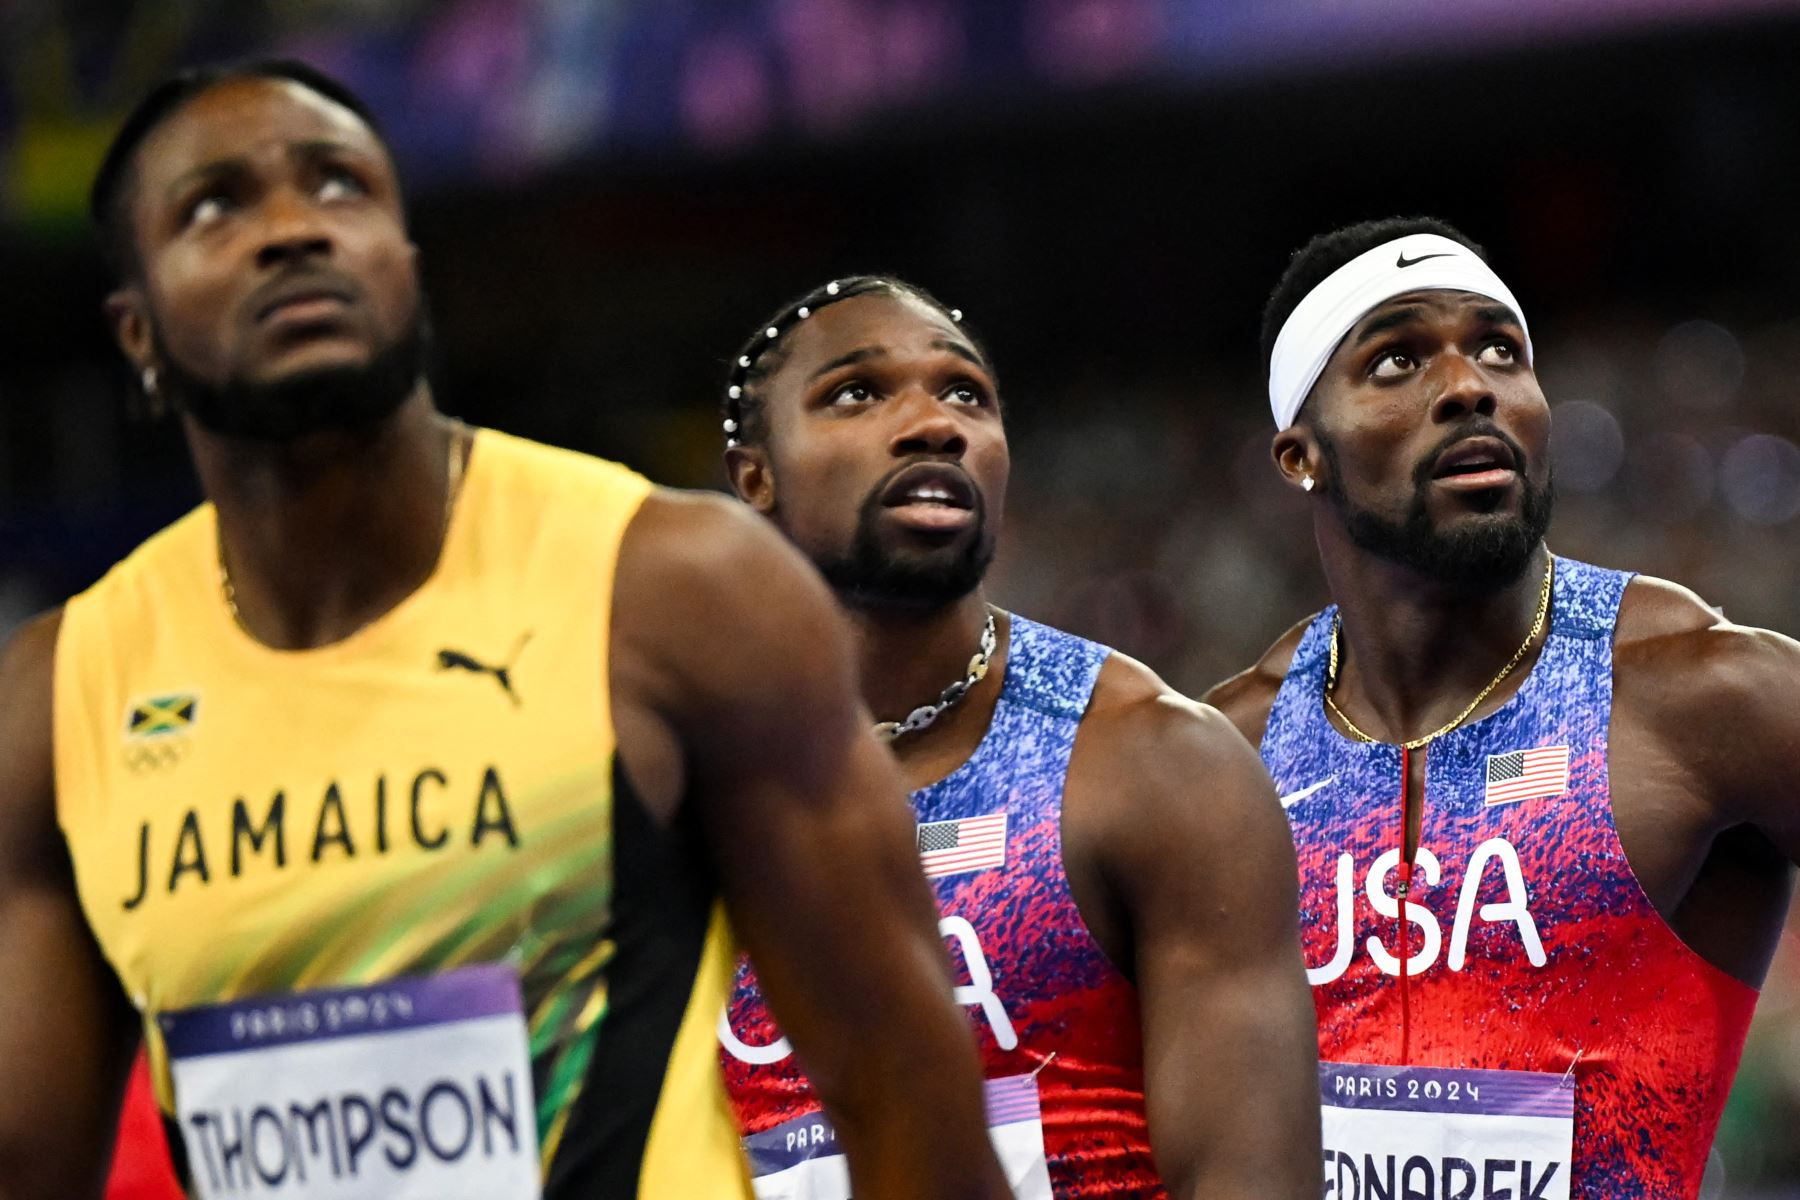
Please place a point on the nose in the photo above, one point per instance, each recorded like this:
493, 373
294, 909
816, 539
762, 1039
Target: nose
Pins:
927, 426
292, 230
1464, 390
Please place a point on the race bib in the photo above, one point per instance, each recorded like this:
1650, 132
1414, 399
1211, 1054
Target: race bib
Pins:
1415, 1132
800, 1159
416, 1089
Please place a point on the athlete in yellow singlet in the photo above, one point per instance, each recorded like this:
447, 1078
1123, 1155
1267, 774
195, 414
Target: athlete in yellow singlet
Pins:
398, 795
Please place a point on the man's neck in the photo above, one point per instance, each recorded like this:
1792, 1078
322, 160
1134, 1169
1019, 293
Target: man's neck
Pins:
324, 534
1412, 651
907, 659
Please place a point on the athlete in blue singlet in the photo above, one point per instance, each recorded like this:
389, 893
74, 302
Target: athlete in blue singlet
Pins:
1576, 784
1108, 858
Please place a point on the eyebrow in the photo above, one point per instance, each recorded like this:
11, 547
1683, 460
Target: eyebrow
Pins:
862, 354
217, 167
311, 150
958, 349
1492, 314
1498, 314
1392, 319
865, 353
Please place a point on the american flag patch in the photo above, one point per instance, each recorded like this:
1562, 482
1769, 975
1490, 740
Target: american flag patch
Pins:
1527, 774
971, 844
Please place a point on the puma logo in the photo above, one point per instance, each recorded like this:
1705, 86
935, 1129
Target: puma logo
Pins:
456, 660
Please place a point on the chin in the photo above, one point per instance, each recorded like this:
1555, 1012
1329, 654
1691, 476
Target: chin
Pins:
1480, 523
312, 356
1502, 503
904, 544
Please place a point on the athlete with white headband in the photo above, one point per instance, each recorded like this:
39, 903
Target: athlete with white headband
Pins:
1576, 783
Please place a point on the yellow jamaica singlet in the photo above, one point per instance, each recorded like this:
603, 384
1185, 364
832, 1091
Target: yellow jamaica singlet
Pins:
394, 919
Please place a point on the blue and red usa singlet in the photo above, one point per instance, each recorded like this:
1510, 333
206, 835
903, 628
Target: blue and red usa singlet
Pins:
1057, 1023
1531, 947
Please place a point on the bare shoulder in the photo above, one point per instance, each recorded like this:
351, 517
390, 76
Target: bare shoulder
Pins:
1683, 656
1712, 696
1712, 700
700, 540
27, 670
1165, 804
1132, 705
724, 630
700, 571
27, 767
1161, 747
1247, 697
30, 652
1655, 608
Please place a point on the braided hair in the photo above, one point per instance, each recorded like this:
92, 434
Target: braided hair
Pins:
746, 421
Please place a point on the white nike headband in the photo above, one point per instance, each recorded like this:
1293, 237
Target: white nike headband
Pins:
1328, 312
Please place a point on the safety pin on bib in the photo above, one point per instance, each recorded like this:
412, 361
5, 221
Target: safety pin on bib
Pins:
1570, 1073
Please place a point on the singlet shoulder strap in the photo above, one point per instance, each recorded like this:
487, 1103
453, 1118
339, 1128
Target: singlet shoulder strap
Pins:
1313, 653
1050, 671
1296, 707
1585, 601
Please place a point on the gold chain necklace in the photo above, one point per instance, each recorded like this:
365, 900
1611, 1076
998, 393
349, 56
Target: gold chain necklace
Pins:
453, 476
1537, 627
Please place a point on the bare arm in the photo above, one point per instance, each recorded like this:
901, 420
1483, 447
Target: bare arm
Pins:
1200, 865
1761, 674
742, 656
1717, 701
66, 1031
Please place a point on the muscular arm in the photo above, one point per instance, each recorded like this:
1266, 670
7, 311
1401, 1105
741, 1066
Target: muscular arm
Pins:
66, 1031
1197, 861
740, 655
1713, 702
1753, 726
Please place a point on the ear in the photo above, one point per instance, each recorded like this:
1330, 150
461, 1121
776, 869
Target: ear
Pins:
752, 477
1297, 457
129, 316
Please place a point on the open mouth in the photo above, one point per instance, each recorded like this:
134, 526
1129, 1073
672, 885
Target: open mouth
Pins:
1476, 463
931, 496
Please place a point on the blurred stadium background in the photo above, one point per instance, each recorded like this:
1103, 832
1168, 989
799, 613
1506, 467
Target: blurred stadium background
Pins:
610, 193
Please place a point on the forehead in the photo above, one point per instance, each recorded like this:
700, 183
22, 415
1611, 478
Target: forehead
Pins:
246, 120
1426, 305
882, 323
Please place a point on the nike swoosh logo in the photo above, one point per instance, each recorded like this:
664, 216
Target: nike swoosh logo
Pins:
1404, 261
1293, 798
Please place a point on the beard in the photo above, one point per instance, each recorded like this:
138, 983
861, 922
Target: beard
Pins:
869, 576
328, 399
1479, 554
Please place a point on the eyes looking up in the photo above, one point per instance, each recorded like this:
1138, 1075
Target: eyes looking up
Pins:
860, 393
223, 193
1398, 362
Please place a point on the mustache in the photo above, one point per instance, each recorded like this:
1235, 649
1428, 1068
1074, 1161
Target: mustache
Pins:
1481, 427
872, 501
303, 278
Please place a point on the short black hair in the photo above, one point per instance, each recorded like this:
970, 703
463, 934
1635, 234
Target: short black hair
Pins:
109, 200
746, 422
1316, 260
